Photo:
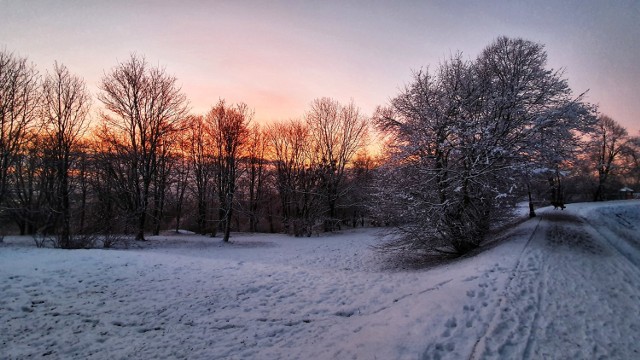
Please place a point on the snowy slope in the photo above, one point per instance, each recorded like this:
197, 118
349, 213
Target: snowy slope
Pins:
563, 285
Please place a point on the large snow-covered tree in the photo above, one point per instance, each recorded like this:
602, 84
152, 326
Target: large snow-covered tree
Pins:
458, 139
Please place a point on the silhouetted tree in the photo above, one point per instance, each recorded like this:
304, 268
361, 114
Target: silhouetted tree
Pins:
181, 176
608, 143
144, 105
31, 185
65, 106
228, 129
255, 169
297, 176
19, 96
338, 132
202, 167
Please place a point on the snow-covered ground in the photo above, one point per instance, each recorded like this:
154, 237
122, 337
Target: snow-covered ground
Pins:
563, 285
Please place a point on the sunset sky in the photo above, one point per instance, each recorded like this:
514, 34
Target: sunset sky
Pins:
277, 56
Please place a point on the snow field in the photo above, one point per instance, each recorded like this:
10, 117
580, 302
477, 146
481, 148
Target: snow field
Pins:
563, 285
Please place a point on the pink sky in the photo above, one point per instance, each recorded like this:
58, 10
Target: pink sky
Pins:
278, 56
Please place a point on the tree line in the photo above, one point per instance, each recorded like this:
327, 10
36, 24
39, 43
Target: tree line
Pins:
460, 145
146, 163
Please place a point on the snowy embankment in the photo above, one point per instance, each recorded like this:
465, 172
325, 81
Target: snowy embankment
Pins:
563, 285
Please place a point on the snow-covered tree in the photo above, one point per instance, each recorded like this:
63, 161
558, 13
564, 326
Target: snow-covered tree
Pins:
459, 139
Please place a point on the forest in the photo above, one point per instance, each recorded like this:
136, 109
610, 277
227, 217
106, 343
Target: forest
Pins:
446, 158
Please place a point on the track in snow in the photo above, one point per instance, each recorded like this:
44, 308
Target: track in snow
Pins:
572, 294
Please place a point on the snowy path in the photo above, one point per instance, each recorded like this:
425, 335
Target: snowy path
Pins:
573, 293
564, 285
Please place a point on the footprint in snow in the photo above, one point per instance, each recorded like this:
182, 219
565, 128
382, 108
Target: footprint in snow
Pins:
450, 324
434, 351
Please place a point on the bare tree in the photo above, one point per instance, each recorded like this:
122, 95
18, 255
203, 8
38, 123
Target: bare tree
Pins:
297, 175
31, 184
255, 164
360, 184
608, 143
339, 133
144, 106
181, 176
65, 106
19, 93
164, 163
228, 129
633, 159
108, 181
200, 148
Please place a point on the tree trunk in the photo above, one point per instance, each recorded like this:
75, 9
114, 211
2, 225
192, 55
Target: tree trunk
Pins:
142, 219
227, 225
599, 194
202, 215
65, 212
532, 212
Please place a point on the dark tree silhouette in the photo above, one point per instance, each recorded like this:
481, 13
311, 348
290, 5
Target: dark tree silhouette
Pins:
144, 105
65, 107
228, 129
338, 132
19, 96
608, 143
